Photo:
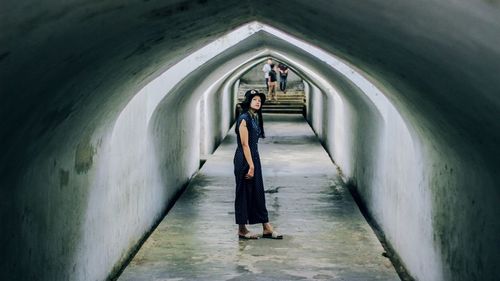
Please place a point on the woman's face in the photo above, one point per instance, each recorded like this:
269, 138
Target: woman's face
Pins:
255, 103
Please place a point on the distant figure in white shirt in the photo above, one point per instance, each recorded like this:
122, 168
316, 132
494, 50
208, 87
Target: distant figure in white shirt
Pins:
266, 69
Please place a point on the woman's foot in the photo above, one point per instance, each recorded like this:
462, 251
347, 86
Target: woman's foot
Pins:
244, 233
272, 235
268, 232
247, 235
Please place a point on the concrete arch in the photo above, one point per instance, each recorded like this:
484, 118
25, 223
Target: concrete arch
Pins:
176, 98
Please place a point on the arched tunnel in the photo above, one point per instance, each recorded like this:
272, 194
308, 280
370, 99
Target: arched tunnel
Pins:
107, 108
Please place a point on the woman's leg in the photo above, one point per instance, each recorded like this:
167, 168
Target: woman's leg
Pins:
242, 229
267, 228
243, 232
272, 91
275, 86
268, 232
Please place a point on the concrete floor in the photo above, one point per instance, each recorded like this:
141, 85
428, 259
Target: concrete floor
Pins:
325, 235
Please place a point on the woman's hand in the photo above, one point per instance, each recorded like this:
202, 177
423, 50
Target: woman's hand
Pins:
249, 175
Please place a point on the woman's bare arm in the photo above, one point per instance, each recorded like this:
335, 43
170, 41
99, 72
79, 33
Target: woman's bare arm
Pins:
243, 130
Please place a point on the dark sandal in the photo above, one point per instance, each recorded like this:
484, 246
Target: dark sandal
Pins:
273, 235
248, 236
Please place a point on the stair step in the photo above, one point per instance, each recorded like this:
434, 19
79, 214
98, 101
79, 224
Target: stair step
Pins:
278, 93
283, 108
283, 111
280, 105
293, 102
281, 98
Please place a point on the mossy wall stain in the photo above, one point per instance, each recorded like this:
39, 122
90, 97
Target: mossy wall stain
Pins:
63, 178
84, 155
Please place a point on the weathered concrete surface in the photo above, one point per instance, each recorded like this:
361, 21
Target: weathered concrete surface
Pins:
325, 235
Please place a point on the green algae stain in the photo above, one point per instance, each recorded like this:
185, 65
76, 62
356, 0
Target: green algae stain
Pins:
84, 155
63, 178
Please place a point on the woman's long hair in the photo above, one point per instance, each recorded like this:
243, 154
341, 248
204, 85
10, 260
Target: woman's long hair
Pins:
245, 106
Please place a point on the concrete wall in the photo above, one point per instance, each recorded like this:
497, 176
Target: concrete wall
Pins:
420, 141
95, 190
368, 139
387, 158
156, 147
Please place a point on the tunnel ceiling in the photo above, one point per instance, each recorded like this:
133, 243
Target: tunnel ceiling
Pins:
438, 59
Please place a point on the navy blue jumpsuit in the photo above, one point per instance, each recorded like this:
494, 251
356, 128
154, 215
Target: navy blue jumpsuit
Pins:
250, 202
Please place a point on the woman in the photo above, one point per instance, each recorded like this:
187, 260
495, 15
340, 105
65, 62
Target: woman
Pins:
250, 203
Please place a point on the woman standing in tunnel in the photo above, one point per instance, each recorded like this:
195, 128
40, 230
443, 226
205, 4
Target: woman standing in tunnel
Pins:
250, 203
